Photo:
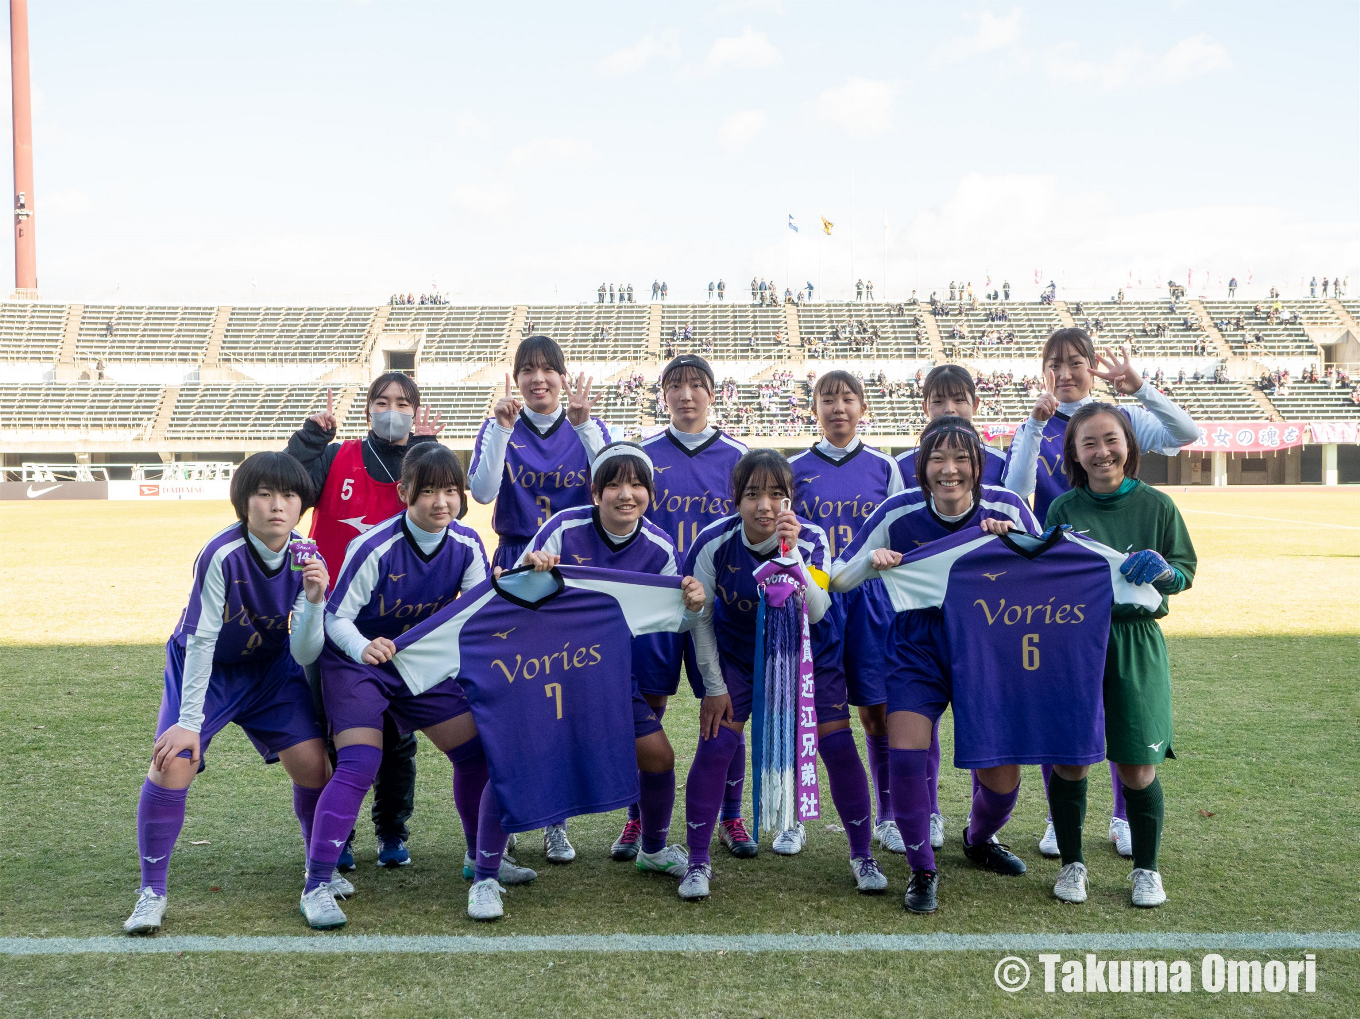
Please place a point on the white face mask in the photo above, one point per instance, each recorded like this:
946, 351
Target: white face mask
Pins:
391, 425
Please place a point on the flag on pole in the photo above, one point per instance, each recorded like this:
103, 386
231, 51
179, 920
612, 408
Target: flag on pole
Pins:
792, 225
827, 225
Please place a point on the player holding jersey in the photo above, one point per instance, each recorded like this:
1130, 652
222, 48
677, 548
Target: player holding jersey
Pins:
693, 462
1108, 504
394, 575
1034, 463
724, 560
950, 499
838, 483
614, 535
949, 391
252, 622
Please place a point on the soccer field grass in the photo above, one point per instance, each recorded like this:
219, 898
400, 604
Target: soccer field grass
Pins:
1262, 816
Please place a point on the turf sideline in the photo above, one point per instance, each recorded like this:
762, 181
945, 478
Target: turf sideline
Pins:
340, 944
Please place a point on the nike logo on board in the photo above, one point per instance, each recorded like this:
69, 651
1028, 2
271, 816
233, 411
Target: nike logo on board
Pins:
34, 493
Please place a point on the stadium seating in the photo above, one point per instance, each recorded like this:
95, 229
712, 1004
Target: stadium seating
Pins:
31, 331
845, 330
729, 331
242, 410
169, 334
455, 333
462, 410
1278, 339
1032, 324
1212, 401
1314, 401
296, 335
610, 332
1110, 324
104, 410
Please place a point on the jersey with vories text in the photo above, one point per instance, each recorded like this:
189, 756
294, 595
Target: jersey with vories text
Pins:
693, 486
840, 495
993, 466
907, 521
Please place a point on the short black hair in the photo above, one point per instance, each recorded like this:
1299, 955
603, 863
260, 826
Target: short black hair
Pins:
277, 472
761, 465
408, 388
949, 380
1076, 473
836, 380
540, 352
950, 432
431, 465
621, 468
1076, 340
688, 368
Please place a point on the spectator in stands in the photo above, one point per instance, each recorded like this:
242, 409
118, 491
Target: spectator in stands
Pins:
754, 289
1325, 281
664, 290
868, 290
722, 288
809, 290
1312, 287
599, 295
630, 293
611, 293
711, 289
1232, 287
952, 289
1006, 289
859, 290
357, 480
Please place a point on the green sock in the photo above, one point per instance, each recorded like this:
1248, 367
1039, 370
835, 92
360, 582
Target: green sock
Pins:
1067, 803
1147, 812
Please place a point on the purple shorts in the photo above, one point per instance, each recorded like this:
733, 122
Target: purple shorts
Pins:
645, 721
356, 695
270, 700
828, 695
869, 618
508, 551
918, 672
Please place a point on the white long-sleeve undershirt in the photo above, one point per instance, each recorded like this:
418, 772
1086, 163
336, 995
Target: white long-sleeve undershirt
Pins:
485, 482
692, 440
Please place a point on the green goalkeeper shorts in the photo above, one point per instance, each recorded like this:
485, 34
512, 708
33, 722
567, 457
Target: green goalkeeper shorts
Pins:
1137, 694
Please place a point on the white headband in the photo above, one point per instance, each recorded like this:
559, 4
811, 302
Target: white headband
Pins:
621, 449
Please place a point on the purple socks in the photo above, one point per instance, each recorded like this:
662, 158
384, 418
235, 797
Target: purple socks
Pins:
736, 781
490, 836
160, 816
704, 790
469, 778
933, 768
911, 804
849, 788
878, 772
655, 802
991, 811
634, 812
1121, 809
355, 768
304, 806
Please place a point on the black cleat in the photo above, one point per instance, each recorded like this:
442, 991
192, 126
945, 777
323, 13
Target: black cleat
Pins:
994, 856
921, 892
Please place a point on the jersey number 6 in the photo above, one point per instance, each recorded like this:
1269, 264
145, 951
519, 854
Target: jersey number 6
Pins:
554, 690
1029, 652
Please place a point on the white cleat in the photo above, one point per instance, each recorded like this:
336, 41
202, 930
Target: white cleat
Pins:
340, 885
1048, 845
511, 873
484, 900
790, 841
147, 914
1147, 888
869, 879
320, 909
936, 831
694, 886
887, 836
671, 860
1122, 837
1071, 884
555, 845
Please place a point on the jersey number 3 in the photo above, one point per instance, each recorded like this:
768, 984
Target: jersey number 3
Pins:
1029, 652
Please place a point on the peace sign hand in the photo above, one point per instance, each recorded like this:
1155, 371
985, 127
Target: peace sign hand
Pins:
1121, 374
427, 423
1047, 404
579, 400
325, 419
508, 406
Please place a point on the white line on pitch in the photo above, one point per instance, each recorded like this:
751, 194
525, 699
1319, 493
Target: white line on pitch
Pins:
1278, 520
334, 944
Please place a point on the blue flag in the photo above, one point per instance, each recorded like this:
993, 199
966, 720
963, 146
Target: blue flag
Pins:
792, 225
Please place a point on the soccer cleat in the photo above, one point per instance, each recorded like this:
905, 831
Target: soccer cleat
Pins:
511, 873
393, 852
1147, 888
994, 856
1122, 837
922, 891
346, 861
320, 909
737, 839
887, 836
511, 842
671, 860
625, 847
790, 841
340, 885
1071, 883
869, 878
1048, 845
694, 885
484, 900
147, 914
556, 847
936, 831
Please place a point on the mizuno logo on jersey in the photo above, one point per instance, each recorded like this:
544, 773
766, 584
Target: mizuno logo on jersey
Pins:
734, 569
993, 576
394, 577
581, 558
517, 445
807, 480
659, 470
1156, 746
505, 633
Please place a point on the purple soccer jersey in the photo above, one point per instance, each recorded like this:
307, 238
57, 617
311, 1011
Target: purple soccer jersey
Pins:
546, 662
387, 584
544, 472
693, 486
993, 466
1050, 479
1026, 620
907, 521
238, 600
840, 495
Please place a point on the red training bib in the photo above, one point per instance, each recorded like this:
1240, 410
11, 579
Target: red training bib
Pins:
351, 502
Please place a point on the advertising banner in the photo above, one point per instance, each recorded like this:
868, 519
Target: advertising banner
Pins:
28, 490
145, 491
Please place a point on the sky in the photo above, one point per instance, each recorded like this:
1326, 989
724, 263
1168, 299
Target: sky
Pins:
335, 153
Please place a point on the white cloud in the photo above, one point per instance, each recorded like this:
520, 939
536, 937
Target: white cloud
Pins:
631, 59
993, 33
861, 107
740, 128
1134, 66
750, 51
554, 152
466, 122
482, 197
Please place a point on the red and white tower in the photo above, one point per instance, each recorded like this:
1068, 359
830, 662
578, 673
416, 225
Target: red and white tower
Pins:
25, 250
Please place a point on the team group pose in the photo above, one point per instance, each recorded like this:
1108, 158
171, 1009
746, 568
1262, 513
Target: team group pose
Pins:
929, 583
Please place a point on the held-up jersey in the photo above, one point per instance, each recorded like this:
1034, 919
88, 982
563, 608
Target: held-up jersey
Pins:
544, 472
1027, 621
546, 661
993, 465
693, 486
387, 584
840, 495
